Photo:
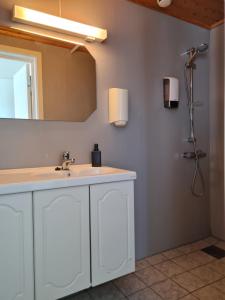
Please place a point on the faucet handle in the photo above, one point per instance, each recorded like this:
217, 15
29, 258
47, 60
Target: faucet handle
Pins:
66, 155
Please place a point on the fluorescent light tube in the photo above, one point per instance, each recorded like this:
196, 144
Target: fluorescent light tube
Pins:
43, 20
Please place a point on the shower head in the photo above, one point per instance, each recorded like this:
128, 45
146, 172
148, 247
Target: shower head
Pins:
202, 48
194, 52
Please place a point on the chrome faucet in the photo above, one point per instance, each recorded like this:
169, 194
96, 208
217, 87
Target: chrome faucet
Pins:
67, 161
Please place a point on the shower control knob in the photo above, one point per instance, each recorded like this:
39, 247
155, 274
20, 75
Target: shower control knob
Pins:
189, 155
194, 155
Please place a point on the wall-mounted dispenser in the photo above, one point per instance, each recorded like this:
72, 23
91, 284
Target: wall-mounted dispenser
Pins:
118, 107
171, 92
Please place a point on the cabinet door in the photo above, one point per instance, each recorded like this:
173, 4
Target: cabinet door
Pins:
16, 247
62, 242
112, 230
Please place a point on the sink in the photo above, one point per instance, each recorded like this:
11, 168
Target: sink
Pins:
30, 179
48, 173
88, 170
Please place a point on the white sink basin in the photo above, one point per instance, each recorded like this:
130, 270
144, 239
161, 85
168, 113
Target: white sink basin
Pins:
75, 171
49, 173
30, 179
87, 170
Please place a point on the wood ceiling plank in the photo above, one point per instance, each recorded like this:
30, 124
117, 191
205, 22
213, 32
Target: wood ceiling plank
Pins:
205, 13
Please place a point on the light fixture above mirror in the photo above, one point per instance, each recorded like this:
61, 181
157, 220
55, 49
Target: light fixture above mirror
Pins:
58, 24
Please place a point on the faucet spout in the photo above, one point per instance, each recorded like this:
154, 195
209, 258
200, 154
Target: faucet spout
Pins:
67, 161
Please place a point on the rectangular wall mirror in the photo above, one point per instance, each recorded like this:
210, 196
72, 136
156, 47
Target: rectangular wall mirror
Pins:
45, 79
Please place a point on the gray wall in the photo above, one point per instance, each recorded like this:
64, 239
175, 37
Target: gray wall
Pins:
143, 47
217, 131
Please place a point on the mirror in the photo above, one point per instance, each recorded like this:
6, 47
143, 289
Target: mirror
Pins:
45, 79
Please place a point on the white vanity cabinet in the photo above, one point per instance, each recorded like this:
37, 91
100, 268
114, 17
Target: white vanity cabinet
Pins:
112, 230
62, 242
63, 234
16, 247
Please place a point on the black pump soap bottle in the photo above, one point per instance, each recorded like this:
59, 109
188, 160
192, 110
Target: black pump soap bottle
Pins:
96, 157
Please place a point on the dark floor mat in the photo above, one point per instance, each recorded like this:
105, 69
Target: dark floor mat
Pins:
214, 251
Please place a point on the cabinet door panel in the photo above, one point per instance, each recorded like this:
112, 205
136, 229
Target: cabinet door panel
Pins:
16, 247
62, 251
112, 231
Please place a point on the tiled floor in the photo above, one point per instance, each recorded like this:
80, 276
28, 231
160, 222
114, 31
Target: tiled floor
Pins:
184, 273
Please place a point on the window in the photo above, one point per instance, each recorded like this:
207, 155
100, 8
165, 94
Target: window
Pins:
20, 84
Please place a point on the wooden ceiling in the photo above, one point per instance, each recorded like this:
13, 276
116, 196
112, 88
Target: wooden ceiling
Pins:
204, 13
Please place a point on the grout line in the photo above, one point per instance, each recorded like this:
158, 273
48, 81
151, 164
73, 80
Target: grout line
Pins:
139, 289
119, 290
205, 284
150, 286
209, 284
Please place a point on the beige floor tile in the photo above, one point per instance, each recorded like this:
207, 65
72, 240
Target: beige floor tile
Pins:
221, 244
201, 257
187, 262
156, 259
146, 294
79, 296
172, 253
169, 290
106, 292
217, 266
189, 297
211, 240
129, 284
186, 249
142, 264
209, 293
169, 268
150, 276
189, 281
199, 245
222, 260
220, 285
206, 274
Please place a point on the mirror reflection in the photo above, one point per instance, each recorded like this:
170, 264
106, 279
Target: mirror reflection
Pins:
44, 79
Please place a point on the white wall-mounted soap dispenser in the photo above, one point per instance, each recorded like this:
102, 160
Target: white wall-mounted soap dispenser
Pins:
118, 107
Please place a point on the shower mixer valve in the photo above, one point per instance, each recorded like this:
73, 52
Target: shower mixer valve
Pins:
194, 155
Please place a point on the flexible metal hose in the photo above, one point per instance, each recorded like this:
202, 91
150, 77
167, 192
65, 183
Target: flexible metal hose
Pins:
197, 174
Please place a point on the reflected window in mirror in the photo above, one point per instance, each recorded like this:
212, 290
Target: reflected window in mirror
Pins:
20, 91
56, 82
